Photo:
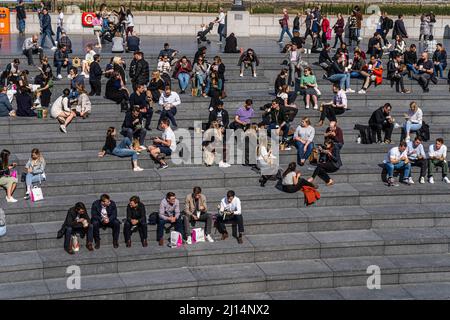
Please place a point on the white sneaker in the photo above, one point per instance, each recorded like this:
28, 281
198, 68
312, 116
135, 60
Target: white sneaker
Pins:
209, 238
431, 180
316, 107
287, 149
241, 75
362, 91
224, 164
349, 90
410, 180
407, 139
54, 48
69, 77
83, 74
138, 169
63, 128
142, 148
189, 240
11, 200
59, 76
86, 76
422, 180
396, 125
307, 107
254, 75
446, 180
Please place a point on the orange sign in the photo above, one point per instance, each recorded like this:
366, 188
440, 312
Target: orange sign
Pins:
86, 19
4, 21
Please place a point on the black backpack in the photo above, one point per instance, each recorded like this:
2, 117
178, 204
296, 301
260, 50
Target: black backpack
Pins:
424, 132
389, 23
364, 133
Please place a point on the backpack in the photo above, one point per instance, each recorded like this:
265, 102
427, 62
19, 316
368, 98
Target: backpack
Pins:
424, 132
389, 23
152, 218
281, 22
364, 133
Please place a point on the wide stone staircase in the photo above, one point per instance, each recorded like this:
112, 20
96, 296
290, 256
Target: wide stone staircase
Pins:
289, 252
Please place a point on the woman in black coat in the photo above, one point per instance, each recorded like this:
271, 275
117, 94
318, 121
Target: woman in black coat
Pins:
231, 44
24, 104
329, 162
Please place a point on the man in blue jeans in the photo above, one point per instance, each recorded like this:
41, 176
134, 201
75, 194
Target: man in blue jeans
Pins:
21, 17
397, 159
284, 22
169, 212
47, 28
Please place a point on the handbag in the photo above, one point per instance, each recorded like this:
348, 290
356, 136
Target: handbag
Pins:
328, 34
13, 173
36, 194
175, 239
198, 235
75, 243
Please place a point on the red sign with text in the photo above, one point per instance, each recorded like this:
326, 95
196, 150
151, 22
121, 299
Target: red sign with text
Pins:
86, 18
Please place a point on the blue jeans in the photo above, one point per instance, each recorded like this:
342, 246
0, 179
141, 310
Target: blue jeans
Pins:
45, 34
221, 32
411, 68
343, 78
283, 31
301, 155
123, 150
161, 223
58, 33
200, 82
409, 126
399, 166
33, 178
183, 80
284, 128
439, 67
356, 74
60, 64
22, 25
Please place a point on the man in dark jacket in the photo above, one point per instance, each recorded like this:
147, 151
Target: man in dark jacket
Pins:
278, 119
21, 16
136, 220
104, 215
132, 126
139, 98
386, 26
5, 105
139, 70
47, 28
220, 115
61, 60
410, 59
231, 44
78, 221
399, 28
374, 45
133, 42
381, 120
95, 76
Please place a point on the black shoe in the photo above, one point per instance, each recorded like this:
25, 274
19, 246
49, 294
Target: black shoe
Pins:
426, 90
148, 129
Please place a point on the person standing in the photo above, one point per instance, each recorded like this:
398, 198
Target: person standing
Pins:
47, 28
221, 21
21, 17
399, 28
284, 22
95, 76
59, 23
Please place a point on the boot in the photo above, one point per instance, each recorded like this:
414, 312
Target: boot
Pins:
89, 246
97, 244
115, 244
144, 243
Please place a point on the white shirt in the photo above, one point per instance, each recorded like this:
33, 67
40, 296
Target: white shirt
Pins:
432, 152
60, 20
104, 213
130, 21
414, 152
340, 98
415, 117
90, 56
234, 206
222, 18
395, 154
294, 56
168, 134
173, 99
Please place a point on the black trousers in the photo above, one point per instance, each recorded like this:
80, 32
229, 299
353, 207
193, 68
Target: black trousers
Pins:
398, 83
338, 37
323, 169
376, 129
330, 113
96, 87
89, 231
422, 164
29, 54
128, 230
234, 125
113, 224
235, 220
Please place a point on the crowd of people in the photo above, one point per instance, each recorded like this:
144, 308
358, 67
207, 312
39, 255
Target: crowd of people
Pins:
141, 92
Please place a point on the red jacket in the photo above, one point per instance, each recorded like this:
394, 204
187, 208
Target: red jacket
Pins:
311, 195
325, 25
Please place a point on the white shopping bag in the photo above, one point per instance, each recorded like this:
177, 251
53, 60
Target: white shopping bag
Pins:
198, 235
36, 194
75, 243
176, 240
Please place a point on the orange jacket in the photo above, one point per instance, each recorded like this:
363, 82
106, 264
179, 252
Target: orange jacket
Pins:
311, 195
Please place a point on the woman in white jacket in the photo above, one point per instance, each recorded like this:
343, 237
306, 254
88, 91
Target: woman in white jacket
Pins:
266, 161
413, 120
61, 111
83, 108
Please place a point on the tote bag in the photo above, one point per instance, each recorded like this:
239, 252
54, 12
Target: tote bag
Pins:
75, 243
36, 194
198, 235
175, 239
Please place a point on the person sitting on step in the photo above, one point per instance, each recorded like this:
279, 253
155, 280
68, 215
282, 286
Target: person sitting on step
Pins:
163, 146
375, 70
292, 181
123, 149
437, 157
7, 181
133, 127
78, 221
104, 215
139, 98
169, 212
329, 162
425, 69
195, 209
335, 134
303, 139
243, 116
413, 121
230, 211
417, 158
35, 171
248, 58
397, 159
381, 120
136, 219
169, 101
338, 106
